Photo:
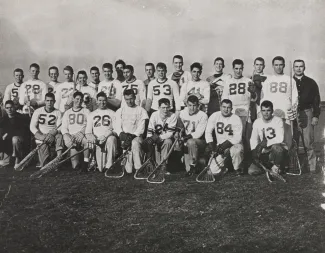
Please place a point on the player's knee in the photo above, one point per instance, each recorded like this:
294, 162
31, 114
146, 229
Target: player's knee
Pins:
136, 143
254, 170
111, 140
236, 149
191, 143
168, 142
15, 140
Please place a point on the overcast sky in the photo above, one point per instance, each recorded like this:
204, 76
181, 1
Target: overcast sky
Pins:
83, 33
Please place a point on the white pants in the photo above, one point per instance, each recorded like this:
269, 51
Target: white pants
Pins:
135, 157
105, 156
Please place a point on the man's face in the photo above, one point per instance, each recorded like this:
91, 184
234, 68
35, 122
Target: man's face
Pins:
196, 73
18, 77
130, 100
82, 79
67, 75
101, 102
193, 108
149, 71
128, 74
238, 70
161, 73
94, 75
259, 67
226, 109
178, 64
77, 102
164, 109
278, 67
266, 113
54, 74
10, 109
299, 68
108, 73
34, 72
119, 69
49, 103
218, 65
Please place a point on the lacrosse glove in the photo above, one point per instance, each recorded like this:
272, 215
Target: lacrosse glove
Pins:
210, 148
91, 138
256, 153
291, 114
223, 146
68, 140
49, 139
187, 137
147, 144
78, 137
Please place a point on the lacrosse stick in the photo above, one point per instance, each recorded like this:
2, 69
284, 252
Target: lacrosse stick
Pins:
303, 144
92, 161
79, 152
117, 168
146, 169
270, 174
206, 175
52, 165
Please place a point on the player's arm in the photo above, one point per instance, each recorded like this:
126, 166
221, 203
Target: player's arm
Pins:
45, 90
176, 96
151, 126
142, 123
65, 124
210, 128
255, 139
171, 128
206, 94
89, 125
149, 97
57, 98
142, 92
237, 131
22, 94
7, 95
316, 101
182, 95
200, 128
118, 122
225, 92
34, 122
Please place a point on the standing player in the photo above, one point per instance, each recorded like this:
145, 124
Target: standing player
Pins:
196, 86
281, 90
89, 99
274, 150
94, 73
131, 82
162, 125
43, 125
53, 74
216, 82
119, 67
129, 126
228, 129
308, 109
150, 72
64, 91
99, 133
12, 90
73, 128
179, 76
32, 92
111, 87
195, 122
162, 87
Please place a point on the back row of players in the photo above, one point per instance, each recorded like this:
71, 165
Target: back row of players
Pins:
280, 92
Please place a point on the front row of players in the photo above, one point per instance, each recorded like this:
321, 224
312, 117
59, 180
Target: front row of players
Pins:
106, 133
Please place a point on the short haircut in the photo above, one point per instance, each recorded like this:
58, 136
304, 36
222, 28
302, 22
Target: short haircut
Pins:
10, 102
259, 59
161, 65
82, 72
299, 60
68, 68
278, 58
34, 65
237, 62
150, 64
267, 104
193, 99
178, 57
94, 68
128, 92
19, 70
219, 59
78, 93
107, 65
53, 67
50, 95
101, 94
163, 101
196, 65
130, 67
119, 61
226, 101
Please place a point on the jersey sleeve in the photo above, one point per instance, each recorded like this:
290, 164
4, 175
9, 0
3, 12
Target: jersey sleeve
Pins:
176, 97
255, 139
200, 128
225, 92
118, 87
142, 92
34, 122
237, 131
183, 92
7, 94
118, 122
57, 98
59, 119
149, 93
210, 128
65, 122
142, 123
206, 94
22, 94
89, 126
171, 128
44, 91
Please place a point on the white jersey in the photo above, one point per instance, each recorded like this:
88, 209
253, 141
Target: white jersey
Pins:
185, 77
194, 124
226, 128
93, 85
168, 89
274, 132
130, 120
51, 86
62, 93
236, 90
89, 95
218, 80
44, 121
112, 89
165, 128
11, 92
201, 87
283, 95
73, 121
100, 122
139, 90
35, 89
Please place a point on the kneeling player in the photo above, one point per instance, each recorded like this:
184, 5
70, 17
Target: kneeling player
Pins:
129, 126
195, 122
268, 131
73, 129
43, 125
162, 125
100, 135
228, 129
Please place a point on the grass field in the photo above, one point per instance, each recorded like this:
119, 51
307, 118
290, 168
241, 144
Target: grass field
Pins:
70, 212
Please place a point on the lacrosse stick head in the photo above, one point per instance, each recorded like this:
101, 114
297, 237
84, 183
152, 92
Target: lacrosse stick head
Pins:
118, 167
294, 167
26, 161
206, 175
158, 175
145, 170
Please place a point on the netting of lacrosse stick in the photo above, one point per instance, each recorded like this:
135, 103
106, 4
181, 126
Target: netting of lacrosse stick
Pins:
146, 169
79, 152
270, 174
206, 175
117, 168
294, 163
